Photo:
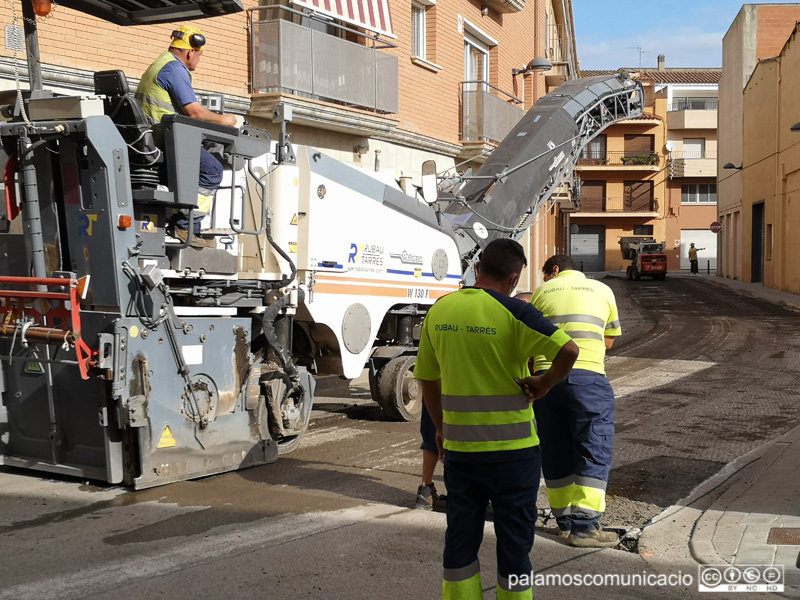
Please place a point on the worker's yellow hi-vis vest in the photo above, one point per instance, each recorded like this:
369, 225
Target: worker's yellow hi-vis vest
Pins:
583, 308
477, 341
154, 99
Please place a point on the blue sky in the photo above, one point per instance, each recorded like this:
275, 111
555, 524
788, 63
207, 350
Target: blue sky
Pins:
687, 32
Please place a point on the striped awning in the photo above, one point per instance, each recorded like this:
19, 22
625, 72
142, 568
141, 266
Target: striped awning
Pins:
373, 15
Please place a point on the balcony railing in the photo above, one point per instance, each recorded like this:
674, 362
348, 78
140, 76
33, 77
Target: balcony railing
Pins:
616, 159
295, 59
559, 48
694, 104
487, 113
692, 154
618, 205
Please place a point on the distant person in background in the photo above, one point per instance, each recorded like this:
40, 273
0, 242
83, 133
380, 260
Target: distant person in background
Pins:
693, 259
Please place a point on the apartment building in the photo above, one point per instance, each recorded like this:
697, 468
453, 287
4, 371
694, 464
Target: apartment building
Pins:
380, 84
653, 175
758, 105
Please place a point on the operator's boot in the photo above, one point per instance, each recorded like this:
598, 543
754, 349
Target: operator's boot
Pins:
593, 538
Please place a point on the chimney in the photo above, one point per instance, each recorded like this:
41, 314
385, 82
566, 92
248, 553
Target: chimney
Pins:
661, 66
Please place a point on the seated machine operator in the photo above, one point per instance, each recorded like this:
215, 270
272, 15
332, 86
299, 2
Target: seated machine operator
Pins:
166, 88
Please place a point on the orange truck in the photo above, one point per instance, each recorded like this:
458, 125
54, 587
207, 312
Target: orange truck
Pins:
648, 257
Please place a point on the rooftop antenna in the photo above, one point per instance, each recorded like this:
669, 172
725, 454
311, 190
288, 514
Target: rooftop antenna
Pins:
640, 51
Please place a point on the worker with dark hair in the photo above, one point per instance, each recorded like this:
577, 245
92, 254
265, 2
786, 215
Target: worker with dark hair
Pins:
575, 420
473, 358
166, 88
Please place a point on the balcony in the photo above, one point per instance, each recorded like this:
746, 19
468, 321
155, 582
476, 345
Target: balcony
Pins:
692, 164
294, 59
618, 207
505, 6
693, 113
620, 160
487, 113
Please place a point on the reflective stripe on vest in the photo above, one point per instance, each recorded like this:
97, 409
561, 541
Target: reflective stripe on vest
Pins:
155, 100
463, 583
487, 423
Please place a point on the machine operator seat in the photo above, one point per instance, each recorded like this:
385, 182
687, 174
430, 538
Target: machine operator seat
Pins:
121, 106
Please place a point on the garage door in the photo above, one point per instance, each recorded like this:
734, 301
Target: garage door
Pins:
706, 243
588, 247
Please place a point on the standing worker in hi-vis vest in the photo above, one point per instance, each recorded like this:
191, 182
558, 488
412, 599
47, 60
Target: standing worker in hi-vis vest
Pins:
166, 88
472, 361
576, 419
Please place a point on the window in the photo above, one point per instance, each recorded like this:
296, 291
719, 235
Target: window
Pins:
476, 63
638, 196
699, 193
593, 195
595, 152
418, 34
694, 148
639, 145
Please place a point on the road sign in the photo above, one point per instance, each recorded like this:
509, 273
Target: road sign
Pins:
716, 227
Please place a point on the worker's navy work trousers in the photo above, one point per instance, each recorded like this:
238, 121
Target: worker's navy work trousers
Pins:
575, 423
511, 486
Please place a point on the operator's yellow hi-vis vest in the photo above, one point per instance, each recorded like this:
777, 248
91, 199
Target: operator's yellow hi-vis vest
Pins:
154, 99
583, 308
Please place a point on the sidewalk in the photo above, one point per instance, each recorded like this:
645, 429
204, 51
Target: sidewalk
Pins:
749, 513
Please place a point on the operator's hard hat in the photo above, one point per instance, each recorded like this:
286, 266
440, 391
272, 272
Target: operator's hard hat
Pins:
187, 37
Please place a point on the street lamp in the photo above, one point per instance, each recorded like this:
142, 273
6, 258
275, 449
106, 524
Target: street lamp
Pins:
732, 166
537, 64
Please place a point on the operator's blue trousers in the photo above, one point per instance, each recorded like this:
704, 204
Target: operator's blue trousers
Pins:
575, 424
210, 180
210, 171
512, 487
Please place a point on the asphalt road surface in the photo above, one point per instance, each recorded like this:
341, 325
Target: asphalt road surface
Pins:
702, 375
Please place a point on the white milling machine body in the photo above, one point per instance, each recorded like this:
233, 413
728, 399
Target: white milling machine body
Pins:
130, 357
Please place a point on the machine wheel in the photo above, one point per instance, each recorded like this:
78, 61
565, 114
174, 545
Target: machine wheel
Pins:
629, 272
636, 275
399, 392
289, 444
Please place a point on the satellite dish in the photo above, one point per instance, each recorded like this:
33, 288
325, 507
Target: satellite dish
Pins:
670, 146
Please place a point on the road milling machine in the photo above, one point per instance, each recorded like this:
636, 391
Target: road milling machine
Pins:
130, 356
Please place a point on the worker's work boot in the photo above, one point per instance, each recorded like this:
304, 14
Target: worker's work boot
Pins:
429, 499
593, 538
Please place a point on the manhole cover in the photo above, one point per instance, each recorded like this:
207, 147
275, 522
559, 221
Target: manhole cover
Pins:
784, 536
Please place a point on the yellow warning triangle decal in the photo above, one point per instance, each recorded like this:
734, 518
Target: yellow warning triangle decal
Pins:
167, 439
294, 220
34, 367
